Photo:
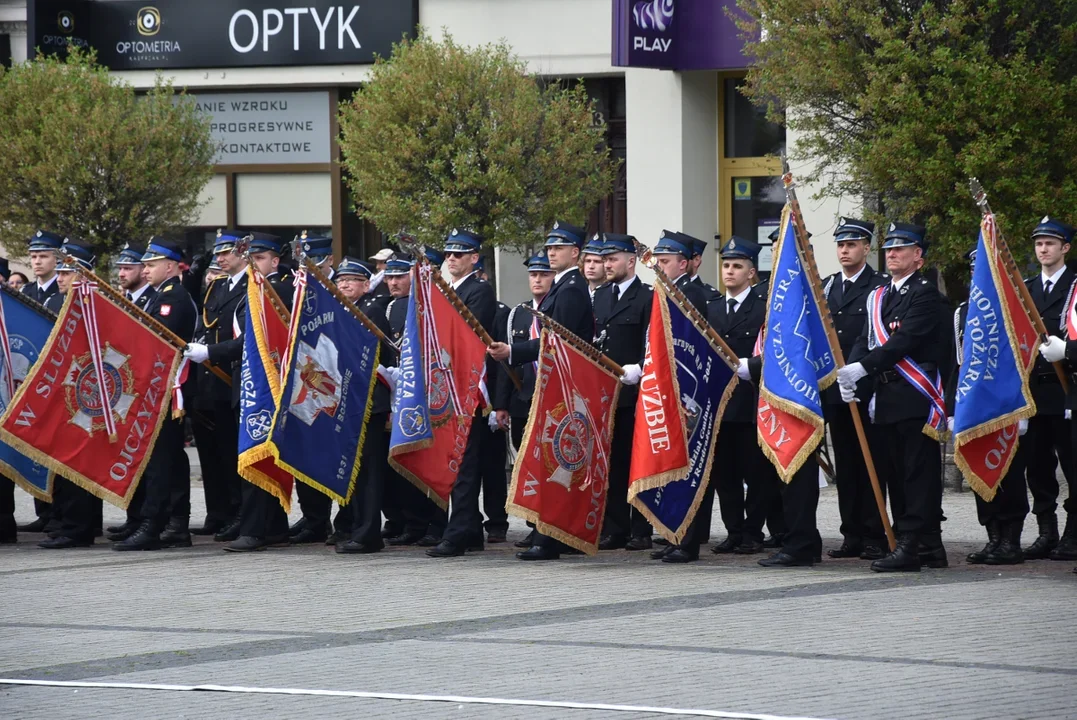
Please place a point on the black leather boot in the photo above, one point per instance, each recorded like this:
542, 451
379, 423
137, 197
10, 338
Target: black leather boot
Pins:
932, 552
904, 558
993, 536
1047, 540
176, 534
1067, 546
147, 537
1008, 550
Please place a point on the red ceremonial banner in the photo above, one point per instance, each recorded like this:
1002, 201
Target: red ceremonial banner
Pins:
271, 334
454, 359
784, 437
561, 475
986, 460
57, 416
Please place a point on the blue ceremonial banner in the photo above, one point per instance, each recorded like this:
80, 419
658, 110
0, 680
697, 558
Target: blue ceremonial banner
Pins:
704, 382
329, 377
411, 427
23, 332
997, 353
797, 361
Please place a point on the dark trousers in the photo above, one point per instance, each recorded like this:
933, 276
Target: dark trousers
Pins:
465, 520
406, 508
45, 510
516, 427
81, 511
316, 506
912, 464
7, 507
1010, 503
167, 481
738, 460
261, 514
217, 442
776, 524
1049, 444
621, 520
800, 502
495, 487
365, 504
860, 521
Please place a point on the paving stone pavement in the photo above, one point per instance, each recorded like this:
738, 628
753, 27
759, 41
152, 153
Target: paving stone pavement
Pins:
833, 641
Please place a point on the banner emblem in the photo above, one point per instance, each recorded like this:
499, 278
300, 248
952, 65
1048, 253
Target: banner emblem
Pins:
318, 390
83, 395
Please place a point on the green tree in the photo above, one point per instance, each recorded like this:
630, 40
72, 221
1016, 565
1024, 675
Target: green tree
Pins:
900, 103
445, 136
82, 154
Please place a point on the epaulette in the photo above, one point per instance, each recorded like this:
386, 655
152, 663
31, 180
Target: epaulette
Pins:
571, 281
166, 289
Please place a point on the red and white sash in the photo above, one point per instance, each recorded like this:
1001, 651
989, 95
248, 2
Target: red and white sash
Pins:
913, 373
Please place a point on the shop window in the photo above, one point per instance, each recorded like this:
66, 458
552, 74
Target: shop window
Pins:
748, 133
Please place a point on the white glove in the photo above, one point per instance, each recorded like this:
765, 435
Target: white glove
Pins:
196, 352
848, 394
389, 377
1069, 414
1022, 426
1054, 349
492, 422
632, 375
851, 374
394, 373
742, 369
950, 423
871, 408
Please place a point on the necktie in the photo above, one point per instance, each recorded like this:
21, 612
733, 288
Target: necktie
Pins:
732, 305
616, 293
129, 296
1047, 288
845, 287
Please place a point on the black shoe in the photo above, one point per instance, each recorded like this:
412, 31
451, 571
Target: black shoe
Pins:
209, 527
228, 533
35, 526
611, 542
176, 535
659, 554
639, 543
848, 549
904, 558
680, 556
337, 537
279, 541
390, 529
405, 539
1067, 546
307, 535
445, 549
476, 546
538, 552
1047, 539
429, 541
661, 541
1008, 549
299, 526
119, 533
527, 542
994, 535
147, 537
872, 552
728, 545
352, 547
783, 559
931, 551
771, 542
246, 543
63, 543
495, 537
749, 547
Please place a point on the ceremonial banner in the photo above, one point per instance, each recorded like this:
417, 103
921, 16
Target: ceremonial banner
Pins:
265, 343
58, 414
682, 395
329, 377
797, 361
997, 355
561, 474
441, 383
23, 333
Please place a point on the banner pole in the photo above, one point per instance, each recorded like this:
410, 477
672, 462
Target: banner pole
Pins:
148, 320
335, 292
28, 302
979, 195
581, 345
812, 270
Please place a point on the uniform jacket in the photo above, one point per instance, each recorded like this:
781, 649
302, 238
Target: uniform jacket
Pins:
621, 329
32, 291
917, 322
376, 308
143, 300
740, 331
709, 291
496, 377
849, 311
1046, 390
54, 301
517, 329
568, 303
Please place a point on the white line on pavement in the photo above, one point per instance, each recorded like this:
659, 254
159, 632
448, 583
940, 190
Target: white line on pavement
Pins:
459, 699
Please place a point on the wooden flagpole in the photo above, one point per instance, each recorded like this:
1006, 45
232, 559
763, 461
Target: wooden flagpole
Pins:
313, 269
812, 270
980, 196
581, 345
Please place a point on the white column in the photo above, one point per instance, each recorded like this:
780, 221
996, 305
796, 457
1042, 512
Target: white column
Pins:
672, 129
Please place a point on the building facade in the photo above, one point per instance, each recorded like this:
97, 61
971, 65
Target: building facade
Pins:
698, 156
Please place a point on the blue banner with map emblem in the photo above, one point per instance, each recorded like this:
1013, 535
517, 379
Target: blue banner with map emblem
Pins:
704, 381
23, 332
329, 375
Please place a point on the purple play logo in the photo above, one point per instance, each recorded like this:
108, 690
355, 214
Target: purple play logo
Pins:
653, 14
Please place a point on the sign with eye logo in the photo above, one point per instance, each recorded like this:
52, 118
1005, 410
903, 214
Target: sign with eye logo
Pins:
148, 21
